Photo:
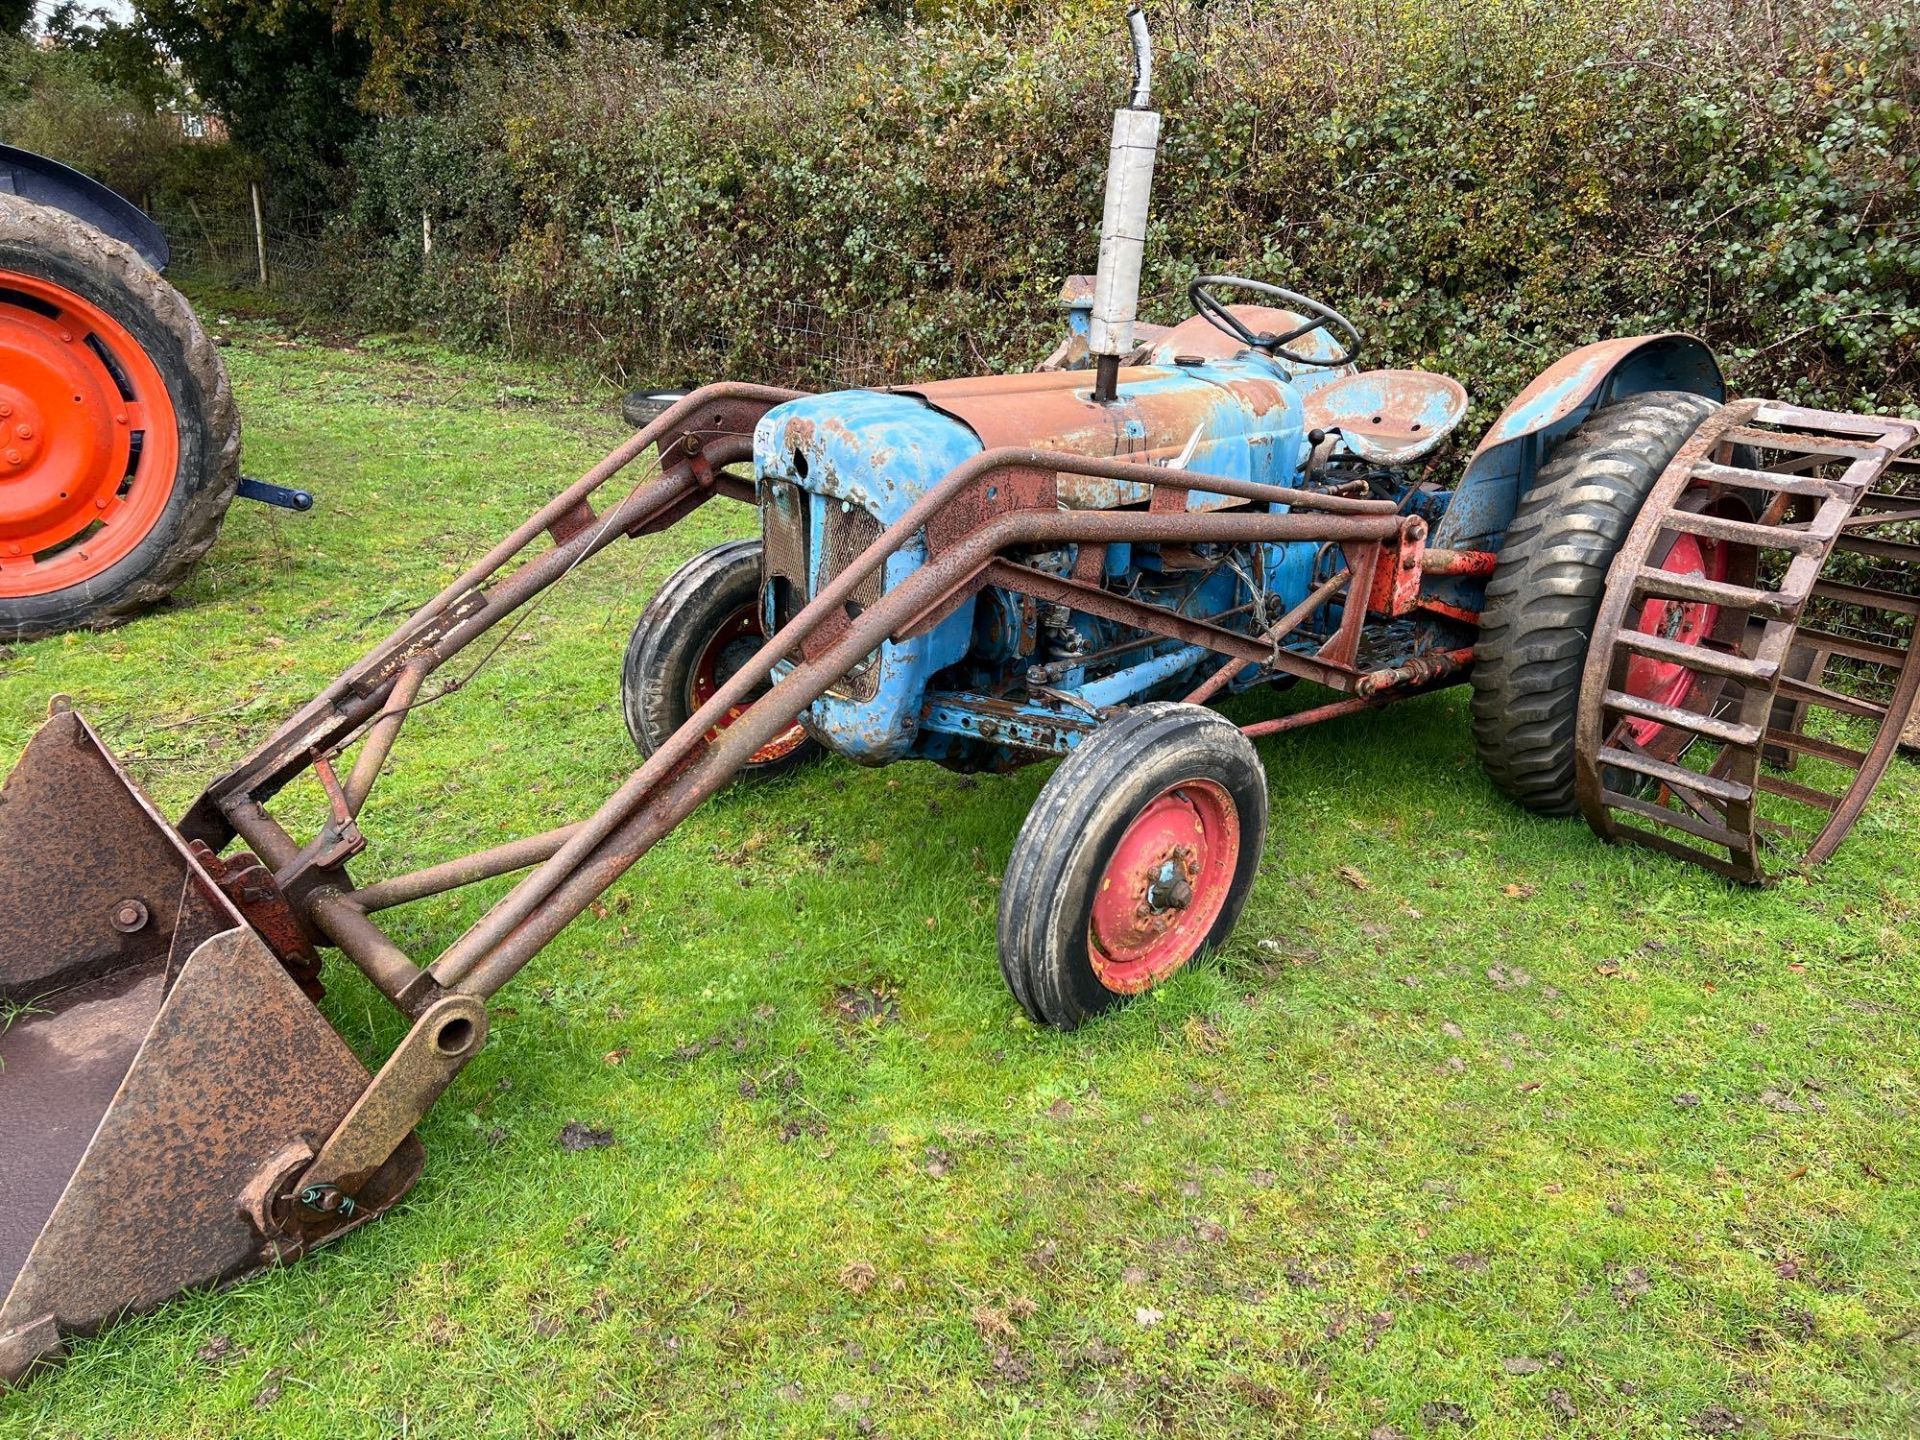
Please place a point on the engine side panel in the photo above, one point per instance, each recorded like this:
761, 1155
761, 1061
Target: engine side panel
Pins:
834, 470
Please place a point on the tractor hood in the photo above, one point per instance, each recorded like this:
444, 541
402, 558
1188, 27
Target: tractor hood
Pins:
882, 450
834, 470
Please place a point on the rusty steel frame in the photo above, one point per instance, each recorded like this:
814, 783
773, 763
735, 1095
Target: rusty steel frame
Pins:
370, 702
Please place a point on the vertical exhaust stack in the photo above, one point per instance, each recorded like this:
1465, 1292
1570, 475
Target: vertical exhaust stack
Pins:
1123, 227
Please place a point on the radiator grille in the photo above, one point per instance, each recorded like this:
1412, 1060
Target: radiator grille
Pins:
784, 547
788, 549
849, 533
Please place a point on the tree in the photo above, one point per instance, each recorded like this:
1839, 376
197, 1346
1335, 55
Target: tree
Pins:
283, 75
121, 55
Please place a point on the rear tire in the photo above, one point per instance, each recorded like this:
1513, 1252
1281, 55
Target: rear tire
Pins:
1137, 856
692, 637
1545, 593
54, 252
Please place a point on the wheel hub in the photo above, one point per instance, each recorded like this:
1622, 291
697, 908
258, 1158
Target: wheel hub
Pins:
22, 431
89, 441
733, 645
1164, 886
1172, 887
56, 442
1686, 622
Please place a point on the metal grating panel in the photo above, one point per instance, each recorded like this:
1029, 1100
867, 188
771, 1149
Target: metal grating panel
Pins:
784, 545
849, 534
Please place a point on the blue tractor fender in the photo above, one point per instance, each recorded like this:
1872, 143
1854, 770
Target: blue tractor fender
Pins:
60, 187
1503, 465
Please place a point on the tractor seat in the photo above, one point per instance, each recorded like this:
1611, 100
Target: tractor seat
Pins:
1390, 417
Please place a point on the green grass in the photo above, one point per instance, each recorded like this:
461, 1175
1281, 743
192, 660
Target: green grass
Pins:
1521, 1134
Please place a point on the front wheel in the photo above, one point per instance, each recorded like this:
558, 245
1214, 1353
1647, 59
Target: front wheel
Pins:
694, 636
1138, 855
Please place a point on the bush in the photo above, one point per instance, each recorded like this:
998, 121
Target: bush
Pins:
51, 103
1482, 187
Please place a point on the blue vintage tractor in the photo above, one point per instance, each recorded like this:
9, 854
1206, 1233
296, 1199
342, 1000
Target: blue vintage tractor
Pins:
1070, 564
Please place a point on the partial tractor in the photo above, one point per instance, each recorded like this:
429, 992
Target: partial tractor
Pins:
1686, 617
119, 441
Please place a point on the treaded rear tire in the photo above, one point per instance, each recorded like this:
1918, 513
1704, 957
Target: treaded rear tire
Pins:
57, 247
1545, 593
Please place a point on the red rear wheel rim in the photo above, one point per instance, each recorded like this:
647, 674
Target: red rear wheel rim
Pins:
732, 645
89, 441
1688, 622
1164, 886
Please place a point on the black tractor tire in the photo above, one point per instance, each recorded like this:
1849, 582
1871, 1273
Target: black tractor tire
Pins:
1064, 860
59, 249
640, 408
678, 647
1545, 593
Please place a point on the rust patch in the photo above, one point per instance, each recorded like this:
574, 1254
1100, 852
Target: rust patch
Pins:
1056, 411
250, 886
569, 523
235, 1066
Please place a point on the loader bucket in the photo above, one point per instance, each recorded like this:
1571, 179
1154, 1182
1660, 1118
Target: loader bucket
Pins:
163, 1079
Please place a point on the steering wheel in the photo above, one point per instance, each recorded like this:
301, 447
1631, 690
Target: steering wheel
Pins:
1206, 303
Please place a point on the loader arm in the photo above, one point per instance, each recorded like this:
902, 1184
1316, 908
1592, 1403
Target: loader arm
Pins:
223, 945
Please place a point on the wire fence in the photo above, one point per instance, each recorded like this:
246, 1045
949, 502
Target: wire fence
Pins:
304, 264
235, 247
795, 343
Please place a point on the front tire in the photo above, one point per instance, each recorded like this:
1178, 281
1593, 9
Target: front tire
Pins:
693, 637
1137, 856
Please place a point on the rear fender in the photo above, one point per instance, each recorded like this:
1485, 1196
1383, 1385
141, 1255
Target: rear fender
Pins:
1510, 454
60, 187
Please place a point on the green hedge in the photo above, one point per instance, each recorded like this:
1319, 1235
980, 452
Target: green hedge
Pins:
1481, 186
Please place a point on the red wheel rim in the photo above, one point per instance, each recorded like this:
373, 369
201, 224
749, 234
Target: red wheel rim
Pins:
1164, 886
1688, 622
89, 442
733, 644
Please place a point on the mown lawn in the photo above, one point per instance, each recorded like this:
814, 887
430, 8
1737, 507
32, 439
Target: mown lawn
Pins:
1477, 1126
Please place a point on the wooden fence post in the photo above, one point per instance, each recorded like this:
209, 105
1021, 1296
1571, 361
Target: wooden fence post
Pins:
259, 231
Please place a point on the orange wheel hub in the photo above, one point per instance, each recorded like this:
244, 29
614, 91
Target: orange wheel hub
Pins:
89, 441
